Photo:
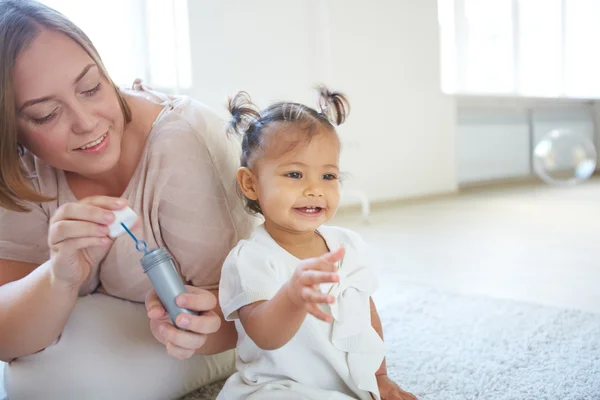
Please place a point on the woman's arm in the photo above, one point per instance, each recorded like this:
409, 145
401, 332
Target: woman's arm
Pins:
34, 308
35, 302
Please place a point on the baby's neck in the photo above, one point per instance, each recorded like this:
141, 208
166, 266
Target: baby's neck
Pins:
301, 245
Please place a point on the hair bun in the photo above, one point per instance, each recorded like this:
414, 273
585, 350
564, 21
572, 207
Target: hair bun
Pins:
334, 105
244, 114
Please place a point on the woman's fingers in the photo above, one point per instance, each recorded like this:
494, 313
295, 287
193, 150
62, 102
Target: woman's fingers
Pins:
80, 243
68, 229
154, 307
206, 323
178, 352
89, 217
197, 299
96, 209
182, 339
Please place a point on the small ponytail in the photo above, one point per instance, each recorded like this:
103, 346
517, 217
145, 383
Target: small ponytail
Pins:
245, 114
333, 105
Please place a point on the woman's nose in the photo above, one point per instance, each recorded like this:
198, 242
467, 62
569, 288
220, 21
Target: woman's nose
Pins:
84, 121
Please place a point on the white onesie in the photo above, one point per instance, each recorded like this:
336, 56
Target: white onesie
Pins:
322, 361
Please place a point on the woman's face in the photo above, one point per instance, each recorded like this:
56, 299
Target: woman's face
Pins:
68, 114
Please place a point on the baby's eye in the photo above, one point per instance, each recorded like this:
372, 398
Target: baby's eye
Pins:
330, 177
294, 175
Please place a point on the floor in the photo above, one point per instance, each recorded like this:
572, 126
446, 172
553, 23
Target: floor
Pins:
530, 242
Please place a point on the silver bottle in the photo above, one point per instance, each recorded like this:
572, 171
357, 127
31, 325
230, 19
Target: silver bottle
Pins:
159, 267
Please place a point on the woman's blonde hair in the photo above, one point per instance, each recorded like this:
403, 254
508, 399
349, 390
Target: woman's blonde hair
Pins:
20, 22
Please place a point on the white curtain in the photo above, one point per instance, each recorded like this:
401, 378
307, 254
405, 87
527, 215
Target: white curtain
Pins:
146, 39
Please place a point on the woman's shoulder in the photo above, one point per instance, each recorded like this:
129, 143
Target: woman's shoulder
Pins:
186, 123
188, 114
189, 133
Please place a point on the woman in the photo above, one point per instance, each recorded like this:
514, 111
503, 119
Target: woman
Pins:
74, 147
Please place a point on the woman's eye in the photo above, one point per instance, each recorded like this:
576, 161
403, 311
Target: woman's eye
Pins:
294, 175
93, 90
43, 120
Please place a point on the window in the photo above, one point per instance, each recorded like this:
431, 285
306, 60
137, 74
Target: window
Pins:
582, 59
146, 39
536, 48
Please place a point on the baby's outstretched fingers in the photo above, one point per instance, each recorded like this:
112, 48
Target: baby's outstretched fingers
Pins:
313, 277
310, 295
316, 312
326, 262
334, 256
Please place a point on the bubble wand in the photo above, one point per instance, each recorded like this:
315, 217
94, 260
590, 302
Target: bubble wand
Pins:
160, 269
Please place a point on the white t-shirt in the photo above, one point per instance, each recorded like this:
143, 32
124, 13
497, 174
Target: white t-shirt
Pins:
323, 360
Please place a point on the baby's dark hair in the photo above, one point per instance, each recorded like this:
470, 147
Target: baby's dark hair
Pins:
251, 123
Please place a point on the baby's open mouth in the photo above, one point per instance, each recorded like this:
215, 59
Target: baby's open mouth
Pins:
309, 210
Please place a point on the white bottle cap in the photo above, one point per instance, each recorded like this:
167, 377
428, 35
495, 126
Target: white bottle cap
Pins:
127, 216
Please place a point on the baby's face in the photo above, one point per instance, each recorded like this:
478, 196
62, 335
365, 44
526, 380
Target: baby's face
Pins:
298, 190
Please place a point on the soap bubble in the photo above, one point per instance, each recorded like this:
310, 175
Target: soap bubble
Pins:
564, 158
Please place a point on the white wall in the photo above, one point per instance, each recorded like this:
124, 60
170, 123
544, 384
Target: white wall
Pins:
492, 144
384, 54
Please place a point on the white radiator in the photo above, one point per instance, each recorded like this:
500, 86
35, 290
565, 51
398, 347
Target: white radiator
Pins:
495, 144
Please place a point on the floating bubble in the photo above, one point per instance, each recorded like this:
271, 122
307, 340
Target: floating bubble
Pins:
563, 158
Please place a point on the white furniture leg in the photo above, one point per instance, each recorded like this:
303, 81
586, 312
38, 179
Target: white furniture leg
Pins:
364, 202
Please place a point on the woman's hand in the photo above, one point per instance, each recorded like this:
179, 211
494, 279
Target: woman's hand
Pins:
78, 237
193, 330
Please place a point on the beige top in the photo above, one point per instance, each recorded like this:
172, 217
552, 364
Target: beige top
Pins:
184, 189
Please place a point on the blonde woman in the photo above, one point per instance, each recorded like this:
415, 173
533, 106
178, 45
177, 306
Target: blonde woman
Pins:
73, 148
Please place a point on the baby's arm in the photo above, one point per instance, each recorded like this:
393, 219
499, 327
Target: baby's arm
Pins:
388, 389
273, 323
376, 323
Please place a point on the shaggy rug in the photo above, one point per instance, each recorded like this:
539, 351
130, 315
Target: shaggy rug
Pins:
444, 346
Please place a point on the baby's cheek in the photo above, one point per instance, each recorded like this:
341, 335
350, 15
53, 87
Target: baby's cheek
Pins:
334, 196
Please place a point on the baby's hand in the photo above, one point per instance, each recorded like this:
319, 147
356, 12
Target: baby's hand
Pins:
389, 390
303, 289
